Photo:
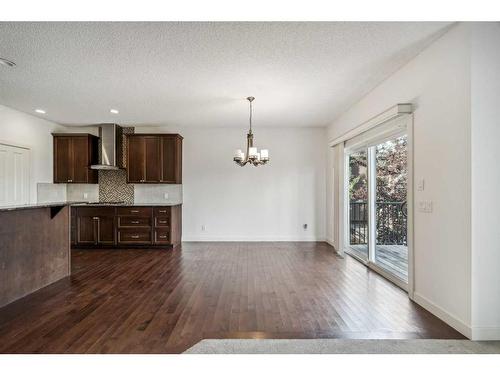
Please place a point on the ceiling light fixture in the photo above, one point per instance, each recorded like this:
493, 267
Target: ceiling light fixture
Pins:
252, 156
6, 62
114, 111
40, 111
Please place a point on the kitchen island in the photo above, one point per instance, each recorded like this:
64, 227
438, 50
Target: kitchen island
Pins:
34, 248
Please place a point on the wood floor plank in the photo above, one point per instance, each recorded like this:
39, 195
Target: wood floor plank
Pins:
163, 301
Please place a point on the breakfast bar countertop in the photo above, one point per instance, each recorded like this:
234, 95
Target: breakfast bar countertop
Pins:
81, 204
29, 206
120, 204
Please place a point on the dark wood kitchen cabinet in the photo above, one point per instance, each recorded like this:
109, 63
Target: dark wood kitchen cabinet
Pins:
126, 226
73, 156
95, 226
171, 159
154, 158
134, 225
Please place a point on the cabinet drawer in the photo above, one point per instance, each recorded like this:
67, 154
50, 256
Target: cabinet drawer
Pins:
162, 221
134, 221
162, 236
134, 211
134, 236
161, 211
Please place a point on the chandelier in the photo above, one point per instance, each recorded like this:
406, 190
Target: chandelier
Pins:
252, 156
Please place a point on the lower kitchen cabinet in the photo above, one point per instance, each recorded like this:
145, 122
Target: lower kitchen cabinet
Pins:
126, 226
134, 225
86, 233
106, 230
95, 226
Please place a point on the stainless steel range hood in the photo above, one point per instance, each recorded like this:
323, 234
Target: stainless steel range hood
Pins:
110, 152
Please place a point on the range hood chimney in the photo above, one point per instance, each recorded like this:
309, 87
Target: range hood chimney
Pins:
110, 152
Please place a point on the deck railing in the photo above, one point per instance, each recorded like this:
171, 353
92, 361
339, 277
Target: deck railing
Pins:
391, 219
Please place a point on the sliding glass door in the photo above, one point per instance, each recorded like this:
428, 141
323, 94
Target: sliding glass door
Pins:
358, 203
376, 191
391, 245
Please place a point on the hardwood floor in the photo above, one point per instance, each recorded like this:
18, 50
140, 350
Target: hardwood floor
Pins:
164, 301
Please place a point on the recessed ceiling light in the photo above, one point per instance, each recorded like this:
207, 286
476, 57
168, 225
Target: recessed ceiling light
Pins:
114, 111
40, 111
6, 62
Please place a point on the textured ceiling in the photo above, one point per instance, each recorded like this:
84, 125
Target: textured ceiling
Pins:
198, 74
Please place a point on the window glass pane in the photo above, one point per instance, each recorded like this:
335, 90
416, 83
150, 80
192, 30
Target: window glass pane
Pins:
358, 204
391, 246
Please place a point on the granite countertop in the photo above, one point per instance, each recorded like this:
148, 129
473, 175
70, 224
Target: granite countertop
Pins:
104, 204
30, 206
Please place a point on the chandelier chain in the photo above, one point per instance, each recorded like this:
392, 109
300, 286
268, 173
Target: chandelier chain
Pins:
251, 110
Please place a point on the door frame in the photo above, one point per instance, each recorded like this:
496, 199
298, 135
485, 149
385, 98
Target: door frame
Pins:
410, 286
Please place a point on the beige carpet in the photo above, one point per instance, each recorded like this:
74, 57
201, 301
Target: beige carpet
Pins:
344, 346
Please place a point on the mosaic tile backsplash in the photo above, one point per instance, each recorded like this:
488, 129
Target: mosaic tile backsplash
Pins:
113, 185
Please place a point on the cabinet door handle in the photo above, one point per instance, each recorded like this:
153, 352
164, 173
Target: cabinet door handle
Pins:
163, 236
134, 236
70, 180
95, 218
162, 211
134, 211
135, 222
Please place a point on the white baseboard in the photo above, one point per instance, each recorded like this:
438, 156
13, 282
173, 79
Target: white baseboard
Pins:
252, 239
486, 333
330, 242
444, 315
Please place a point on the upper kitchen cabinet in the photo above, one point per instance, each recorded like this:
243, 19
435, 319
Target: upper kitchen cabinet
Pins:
154, 158
73, 155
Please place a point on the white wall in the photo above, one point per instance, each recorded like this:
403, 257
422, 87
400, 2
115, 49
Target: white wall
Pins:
437, 82
485, 97
18, 128
269, 202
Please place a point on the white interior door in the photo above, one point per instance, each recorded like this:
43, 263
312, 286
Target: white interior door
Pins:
14, 175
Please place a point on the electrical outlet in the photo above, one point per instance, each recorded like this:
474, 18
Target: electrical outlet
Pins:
85, 195
304, 226
421, 184
165, 195
425, 206
203, 228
